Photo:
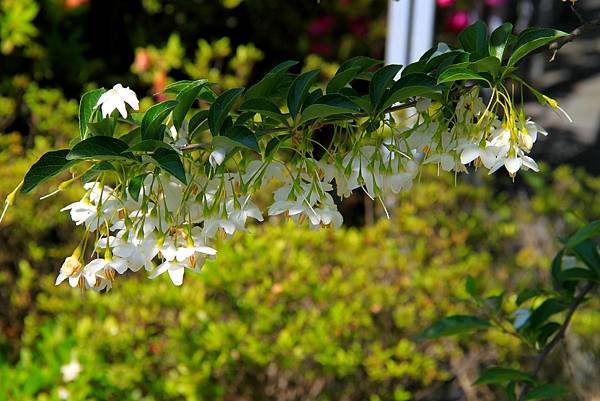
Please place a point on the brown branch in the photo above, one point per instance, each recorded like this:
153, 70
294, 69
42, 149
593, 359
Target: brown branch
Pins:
575, 33
204, 145
577, 301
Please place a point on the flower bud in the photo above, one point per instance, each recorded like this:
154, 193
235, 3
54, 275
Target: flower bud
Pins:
217, 157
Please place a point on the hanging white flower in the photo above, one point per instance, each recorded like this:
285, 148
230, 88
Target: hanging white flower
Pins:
116, 98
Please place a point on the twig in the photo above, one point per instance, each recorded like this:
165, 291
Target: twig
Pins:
204, 145
557, 337
575, 33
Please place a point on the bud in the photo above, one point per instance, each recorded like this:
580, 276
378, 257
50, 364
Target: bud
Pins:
217, 157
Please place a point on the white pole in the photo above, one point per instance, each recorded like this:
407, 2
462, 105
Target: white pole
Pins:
423, 24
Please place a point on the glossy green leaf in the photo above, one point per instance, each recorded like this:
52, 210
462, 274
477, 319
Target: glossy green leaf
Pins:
186, 99
153, 120
408, 86
381, 81
546, 391
219, 110
100, 148
474, 39
526, 295
454, 74
543, 312
135, 185
361, 62
265, 108
589, 231
242, 135
170, 161
499, 39
49, 165
587, 252
148, 146
86, 109
498, 375
328, 106
453, 325
341, 79
578, 274
298, 91
530, 40
197, 122
266, 86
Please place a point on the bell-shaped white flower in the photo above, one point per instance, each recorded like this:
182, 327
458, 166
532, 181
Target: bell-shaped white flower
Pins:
116, 98
174, 268
217, 157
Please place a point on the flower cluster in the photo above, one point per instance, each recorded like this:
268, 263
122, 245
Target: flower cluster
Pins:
164, 225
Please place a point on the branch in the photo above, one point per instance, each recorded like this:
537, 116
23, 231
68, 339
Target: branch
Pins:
575, 33
577, 301
204, 145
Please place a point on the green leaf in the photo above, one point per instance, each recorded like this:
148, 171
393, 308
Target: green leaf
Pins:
341, 79
197, 122
170, 161
452, 325
242, 135
546, 331
298, 91
153, 120
361, 62
546, 391
543, 312
49, 165
327, 106
589, 231
219, 110
490, 65
530, 40
587, 252
98, 168
100, 148
86, 109
471, 287
499, 40
132, 137
186, 99
577, 274
499, 375
408, 86
265, 108
526, 295
148, 146
381, 81
266, 86
135, 185
104, 127
453, 74
474, 39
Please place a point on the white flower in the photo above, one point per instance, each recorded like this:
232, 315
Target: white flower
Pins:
472, 152
71, 269
174, 268
217, 157
513, 162
239, 213
116, 98
71, 370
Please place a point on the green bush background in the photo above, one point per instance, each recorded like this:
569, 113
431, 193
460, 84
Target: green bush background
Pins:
283, 313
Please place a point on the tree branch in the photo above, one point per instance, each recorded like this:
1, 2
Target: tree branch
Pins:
577, 301
575, 33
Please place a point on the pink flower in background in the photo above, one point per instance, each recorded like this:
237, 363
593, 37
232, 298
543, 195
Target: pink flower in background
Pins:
457, 21
321, 25
359, 27
495, 3
445, 3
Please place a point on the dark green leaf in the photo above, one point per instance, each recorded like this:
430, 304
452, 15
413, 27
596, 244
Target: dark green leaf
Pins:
546, 391
381, 81
526, 295
341, 79
408, 86
132, 137
104, 127
327, 106
97, 169
471, 287
242, 135
499, 40
589, 231
530, 40
152, 123
148, 146
49, 165
219, 110
499, 375
587, 252
361, 62
578, 274
546, 331
186, 99
453, 74
474, 39
170, 161
546, 310
266, 86
556, 268
135, 185
86, 109
198, 120
452, 325
298, 91
265, 108
100, 148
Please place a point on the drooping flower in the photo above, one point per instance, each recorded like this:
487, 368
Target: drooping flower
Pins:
116, 98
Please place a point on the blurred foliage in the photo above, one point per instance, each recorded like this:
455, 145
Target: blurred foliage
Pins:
287, 313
